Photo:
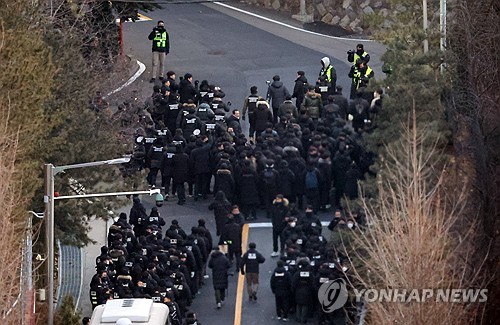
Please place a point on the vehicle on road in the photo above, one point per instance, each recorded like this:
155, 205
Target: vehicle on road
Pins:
136, 311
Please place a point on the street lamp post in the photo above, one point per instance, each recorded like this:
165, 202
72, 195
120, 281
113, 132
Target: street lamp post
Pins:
49, 199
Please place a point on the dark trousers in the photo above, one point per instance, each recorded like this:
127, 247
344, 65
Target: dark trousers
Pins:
312, 197
282, 306
202, 184
301, 313
181, 191
275, 115
277, 234
153, 173
165, 182
234, 252
220, 295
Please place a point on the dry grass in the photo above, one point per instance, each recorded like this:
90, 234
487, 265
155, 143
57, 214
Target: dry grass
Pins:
11, 231
412, 242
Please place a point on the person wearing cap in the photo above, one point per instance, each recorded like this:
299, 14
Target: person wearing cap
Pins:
300, 88
160, 48
250, 269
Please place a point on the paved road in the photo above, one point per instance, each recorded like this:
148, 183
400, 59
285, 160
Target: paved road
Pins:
235, 51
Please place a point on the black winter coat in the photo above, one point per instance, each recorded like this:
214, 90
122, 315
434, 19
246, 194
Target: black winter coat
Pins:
287, 183
231, 233
180, 165
302, 286
278, 215
186, 91
247, 187
281, 282
221, 210
261, 117
200, 159
277, 92
219, 265
224, 182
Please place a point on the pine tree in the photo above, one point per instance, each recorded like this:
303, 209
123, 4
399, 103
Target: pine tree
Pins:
66, 314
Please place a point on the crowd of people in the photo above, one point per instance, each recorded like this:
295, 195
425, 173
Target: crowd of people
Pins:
297, 159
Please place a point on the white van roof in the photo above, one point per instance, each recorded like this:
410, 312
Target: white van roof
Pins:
139, 311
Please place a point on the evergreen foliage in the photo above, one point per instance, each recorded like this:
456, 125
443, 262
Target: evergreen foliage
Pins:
66, 313
414, 83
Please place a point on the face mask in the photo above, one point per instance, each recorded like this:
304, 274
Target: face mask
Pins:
350, 225
292, 224
309, 214
344, 269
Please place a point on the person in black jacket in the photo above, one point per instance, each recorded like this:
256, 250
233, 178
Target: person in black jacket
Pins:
302, 290
250, 269
180, 166
137, 216
276, 93
224, 181
281, 286
299, 89
200, 162
221, 207
246, 181
220, 266
186, 89
231, 235
287, 180
155, 155
279, 214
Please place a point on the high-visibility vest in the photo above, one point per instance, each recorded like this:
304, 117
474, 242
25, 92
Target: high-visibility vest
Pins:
327, 73
357, 76
160, 39
356, 56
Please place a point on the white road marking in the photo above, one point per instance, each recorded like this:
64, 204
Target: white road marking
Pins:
290, 26
141, 70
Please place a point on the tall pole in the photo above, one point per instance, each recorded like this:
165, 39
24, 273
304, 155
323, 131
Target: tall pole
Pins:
426, 42
49, 238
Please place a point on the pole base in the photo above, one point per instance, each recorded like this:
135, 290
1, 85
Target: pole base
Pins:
304, 18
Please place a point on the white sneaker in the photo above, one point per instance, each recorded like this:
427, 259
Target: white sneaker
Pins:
278, 318
275, 254
219, 305
206, 276
285, 319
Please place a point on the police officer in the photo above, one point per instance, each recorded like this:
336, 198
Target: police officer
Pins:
360, 74
161, 47
353, 56
249, 106
328, 71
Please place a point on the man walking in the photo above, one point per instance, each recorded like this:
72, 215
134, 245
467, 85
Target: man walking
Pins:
161, 47
277, 93
250, 269
220, 266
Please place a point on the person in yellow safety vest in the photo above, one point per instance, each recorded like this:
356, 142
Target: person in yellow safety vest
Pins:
354, 56
161, 47
360, 74
329, 72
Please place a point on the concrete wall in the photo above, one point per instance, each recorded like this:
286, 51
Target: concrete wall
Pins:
348, 14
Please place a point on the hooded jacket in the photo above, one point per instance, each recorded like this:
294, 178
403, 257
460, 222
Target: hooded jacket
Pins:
262, 115
328, 71
277, 93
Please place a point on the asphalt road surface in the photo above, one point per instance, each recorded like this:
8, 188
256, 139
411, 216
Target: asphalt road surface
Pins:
235, 51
